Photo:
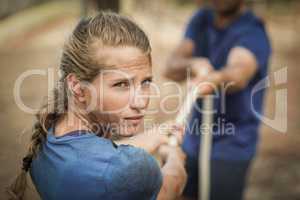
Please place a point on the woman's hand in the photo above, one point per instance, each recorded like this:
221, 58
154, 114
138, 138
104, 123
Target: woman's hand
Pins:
152, 139
174, 174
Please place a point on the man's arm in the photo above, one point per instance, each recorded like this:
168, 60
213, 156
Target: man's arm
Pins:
241, 66
179, 61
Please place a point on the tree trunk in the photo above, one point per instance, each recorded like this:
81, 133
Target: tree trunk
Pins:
112, 5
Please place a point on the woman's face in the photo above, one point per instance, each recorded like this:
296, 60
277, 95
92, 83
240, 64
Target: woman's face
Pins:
122, 90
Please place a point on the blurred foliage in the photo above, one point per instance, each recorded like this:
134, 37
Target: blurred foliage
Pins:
280, 7
184, 2
8, 7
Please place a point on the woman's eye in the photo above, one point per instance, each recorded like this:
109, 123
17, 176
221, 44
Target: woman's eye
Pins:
147, 82
121, 84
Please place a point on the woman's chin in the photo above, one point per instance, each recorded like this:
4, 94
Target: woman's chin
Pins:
129, 131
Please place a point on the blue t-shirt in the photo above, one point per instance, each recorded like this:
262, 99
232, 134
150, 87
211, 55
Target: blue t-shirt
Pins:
81, 165
235, 123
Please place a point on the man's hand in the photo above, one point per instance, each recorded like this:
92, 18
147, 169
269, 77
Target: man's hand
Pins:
204, 77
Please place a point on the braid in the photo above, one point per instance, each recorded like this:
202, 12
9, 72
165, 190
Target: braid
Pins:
47, 115
17, 189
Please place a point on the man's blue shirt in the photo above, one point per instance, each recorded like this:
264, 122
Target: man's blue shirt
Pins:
235, 123
81, 165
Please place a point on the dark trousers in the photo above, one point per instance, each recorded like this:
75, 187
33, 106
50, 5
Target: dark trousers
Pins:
228, 179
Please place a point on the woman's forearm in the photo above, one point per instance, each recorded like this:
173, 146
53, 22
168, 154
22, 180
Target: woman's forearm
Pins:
170, 188
174, 178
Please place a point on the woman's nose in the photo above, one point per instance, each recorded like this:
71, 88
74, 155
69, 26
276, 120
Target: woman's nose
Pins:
139, 100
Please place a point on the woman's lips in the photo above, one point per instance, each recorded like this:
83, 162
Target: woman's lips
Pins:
134, 120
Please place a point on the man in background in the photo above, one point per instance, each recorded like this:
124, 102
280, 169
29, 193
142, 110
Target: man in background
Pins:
228, 40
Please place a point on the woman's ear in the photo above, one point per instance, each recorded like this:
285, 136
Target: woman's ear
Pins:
74, 85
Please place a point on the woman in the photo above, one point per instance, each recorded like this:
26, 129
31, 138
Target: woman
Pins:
103, 91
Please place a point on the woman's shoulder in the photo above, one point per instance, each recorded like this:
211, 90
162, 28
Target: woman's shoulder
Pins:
118, 157
121, 170
130, 156
133, 169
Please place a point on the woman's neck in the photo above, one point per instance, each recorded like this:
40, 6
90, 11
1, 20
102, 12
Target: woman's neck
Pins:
68, 123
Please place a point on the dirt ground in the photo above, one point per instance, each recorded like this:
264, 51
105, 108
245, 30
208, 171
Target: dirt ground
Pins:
275, 174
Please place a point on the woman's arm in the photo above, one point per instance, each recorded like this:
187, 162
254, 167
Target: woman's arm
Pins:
152, 139
173, 159
174, 174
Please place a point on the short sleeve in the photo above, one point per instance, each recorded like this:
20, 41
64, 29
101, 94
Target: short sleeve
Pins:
257, 41
133, 174
195, 25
